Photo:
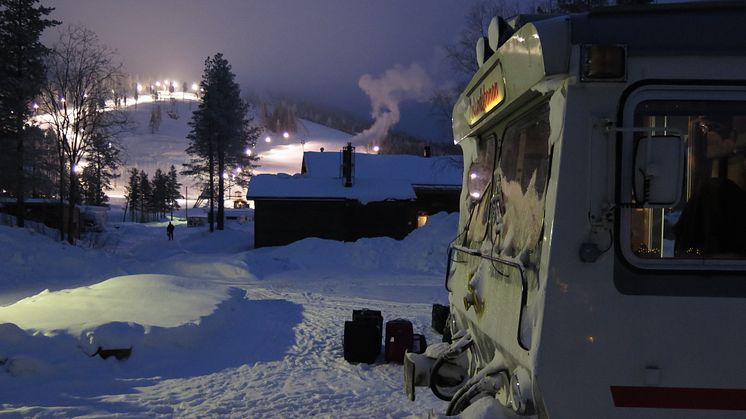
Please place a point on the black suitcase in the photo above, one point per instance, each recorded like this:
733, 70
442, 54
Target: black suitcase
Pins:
362, 341
440, 317
369, 315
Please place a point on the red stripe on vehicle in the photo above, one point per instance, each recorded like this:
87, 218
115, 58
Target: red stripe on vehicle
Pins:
679, 398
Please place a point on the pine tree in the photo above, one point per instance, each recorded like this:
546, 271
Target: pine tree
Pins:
103, 161
221, 131
40, 164
174, 190
146, 198
160, 197
133, 193
21, 79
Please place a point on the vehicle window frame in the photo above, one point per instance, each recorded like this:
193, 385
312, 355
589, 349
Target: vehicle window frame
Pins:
625, 187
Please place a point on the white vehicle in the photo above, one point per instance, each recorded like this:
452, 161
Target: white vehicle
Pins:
600, 265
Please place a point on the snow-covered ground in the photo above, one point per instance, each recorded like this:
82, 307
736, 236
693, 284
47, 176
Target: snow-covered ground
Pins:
216, 329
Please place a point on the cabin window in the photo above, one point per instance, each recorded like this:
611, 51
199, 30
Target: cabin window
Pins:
709, 223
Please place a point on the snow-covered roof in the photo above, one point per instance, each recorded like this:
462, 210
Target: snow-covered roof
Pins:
376, 178
301, 186
416, 170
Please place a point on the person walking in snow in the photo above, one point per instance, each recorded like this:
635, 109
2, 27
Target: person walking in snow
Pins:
170, 231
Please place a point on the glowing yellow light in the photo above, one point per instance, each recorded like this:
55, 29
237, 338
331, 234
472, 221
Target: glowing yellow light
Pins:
421, 220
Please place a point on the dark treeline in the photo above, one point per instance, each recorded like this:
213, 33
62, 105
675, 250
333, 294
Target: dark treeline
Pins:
282, 114
149, 200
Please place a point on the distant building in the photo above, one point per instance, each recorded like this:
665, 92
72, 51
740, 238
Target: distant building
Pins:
386, 195
47, 212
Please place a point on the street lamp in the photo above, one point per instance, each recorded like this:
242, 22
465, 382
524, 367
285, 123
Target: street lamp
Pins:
285, 135
267, 139
376, 149
248, 152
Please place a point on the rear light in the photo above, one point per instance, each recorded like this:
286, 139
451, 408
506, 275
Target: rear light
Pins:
604, 62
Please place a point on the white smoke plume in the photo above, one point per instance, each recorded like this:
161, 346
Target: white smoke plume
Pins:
386, 92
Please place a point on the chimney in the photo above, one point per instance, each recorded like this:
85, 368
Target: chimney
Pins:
426, 152
348, 164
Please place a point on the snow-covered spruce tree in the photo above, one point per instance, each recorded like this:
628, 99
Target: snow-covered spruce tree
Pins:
81, 73
21, 78
221, 131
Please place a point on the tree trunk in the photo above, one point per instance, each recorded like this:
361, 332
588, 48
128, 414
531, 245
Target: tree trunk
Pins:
72, 198
20, 184
62, 195
212, 186
221, 187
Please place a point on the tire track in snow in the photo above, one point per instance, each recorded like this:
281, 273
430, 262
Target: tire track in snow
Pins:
311, 379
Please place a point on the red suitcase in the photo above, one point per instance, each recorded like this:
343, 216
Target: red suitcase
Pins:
399, 338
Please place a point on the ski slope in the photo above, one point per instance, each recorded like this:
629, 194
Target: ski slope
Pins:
148, 150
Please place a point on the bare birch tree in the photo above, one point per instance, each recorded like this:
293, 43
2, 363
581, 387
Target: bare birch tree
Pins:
79, 97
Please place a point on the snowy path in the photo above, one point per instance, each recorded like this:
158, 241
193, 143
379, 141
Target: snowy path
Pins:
312, 378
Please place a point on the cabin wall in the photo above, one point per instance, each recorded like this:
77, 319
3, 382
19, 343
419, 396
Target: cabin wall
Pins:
279, 222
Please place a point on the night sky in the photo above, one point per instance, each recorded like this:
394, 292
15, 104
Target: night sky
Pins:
314, 49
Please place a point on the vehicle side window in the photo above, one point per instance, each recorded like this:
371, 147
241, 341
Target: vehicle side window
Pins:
710, 221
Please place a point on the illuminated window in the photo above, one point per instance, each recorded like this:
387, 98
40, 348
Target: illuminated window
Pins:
710, 220
421, 219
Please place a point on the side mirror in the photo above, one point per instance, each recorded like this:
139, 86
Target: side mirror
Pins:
659, 171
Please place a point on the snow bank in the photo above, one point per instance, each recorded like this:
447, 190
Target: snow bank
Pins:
174, 325
149, 300
32, 261
424, 251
